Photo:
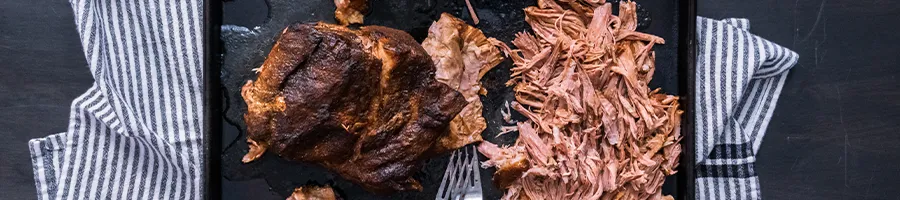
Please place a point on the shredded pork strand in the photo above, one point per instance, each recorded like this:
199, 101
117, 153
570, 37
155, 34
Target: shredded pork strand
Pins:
595, 130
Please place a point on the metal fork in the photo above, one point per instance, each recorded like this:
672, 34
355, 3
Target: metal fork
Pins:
462, 178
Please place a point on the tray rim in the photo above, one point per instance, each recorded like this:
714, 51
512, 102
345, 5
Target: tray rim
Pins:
212, 97
686, 67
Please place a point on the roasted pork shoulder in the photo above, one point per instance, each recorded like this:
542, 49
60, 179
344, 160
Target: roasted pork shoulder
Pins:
362, 103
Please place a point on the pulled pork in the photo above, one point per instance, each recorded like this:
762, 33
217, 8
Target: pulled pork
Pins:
350, 11
462, 55
313, 193
595, 130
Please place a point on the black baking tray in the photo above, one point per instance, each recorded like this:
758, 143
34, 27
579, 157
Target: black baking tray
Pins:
234, 50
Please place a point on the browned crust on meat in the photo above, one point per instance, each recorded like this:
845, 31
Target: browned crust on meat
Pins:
361, 103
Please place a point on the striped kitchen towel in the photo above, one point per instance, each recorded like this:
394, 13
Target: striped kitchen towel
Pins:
136, 133
738, 79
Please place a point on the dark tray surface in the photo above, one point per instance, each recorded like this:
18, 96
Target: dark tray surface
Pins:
246, 49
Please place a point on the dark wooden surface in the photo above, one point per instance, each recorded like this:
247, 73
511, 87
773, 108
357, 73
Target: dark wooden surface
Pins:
41, 70
833, 135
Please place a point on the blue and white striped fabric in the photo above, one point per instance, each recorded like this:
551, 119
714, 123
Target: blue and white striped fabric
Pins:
738, 79
136, 133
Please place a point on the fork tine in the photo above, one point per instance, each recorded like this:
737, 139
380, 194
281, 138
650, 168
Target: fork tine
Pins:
448, 174
462, 177
460, 184
475, 166
457, 172
468, 175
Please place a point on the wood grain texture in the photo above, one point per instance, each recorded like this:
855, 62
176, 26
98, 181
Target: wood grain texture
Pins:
834, 131
42, 69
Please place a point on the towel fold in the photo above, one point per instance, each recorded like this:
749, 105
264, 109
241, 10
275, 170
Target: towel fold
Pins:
738, 79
